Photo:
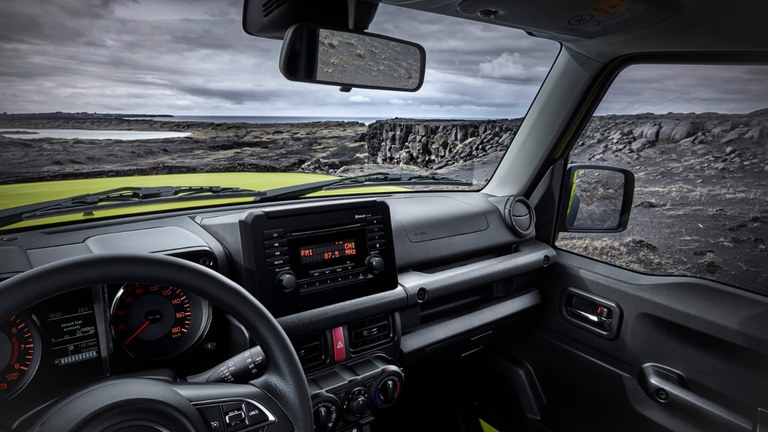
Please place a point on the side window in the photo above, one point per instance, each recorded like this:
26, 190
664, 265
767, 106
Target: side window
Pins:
696, 139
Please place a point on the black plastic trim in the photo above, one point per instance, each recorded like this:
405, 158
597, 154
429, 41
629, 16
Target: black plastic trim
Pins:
341, 313
430, 335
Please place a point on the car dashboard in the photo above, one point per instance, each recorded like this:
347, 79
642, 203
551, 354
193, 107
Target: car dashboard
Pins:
364, 287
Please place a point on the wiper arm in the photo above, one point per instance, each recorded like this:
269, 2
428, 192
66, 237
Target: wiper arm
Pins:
363, 180
121, 197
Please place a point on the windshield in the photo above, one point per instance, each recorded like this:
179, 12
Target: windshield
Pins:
133, 94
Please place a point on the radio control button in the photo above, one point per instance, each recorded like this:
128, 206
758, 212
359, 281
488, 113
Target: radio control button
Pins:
279, 252
376, 236
374, 229
375, 220
274, 234
376, 246
271, 244
277, 261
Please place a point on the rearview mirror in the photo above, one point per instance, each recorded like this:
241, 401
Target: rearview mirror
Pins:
351, 59
597, 199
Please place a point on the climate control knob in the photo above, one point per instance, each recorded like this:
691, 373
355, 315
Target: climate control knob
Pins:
357, 404
324, 415
387, 391
374, 264
286, 281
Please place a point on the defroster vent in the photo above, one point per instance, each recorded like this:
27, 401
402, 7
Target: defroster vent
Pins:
370, 333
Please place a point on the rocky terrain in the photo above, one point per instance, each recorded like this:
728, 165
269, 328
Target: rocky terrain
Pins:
701, 195
311, 147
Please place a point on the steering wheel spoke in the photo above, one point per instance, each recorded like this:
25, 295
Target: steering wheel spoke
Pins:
245, 407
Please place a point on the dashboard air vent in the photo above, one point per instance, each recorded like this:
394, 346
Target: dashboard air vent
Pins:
270, 6
311, 350
370, 333
519, 215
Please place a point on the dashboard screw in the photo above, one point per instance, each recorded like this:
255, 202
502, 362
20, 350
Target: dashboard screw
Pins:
547, 260
661, 395
421, 294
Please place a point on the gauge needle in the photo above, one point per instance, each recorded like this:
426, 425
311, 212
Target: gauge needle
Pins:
143, 326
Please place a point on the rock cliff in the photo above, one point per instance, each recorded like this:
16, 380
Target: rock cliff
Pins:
436, 144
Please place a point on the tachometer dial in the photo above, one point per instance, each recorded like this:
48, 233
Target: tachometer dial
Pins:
156, 321
19, 354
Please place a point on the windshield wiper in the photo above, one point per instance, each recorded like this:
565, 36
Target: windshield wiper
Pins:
363, 180
129, 196
121, 197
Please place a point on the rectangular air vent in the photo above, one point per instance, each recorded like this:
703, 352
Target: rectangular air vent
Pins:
270, 6
370, 333
311, 350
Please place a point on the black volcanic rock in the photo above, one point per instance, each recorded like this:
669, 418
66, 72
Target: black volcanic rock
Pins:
436, 144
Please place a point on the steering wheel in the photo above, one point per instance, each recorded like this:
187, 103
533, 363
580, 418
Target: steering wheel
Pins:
145, 404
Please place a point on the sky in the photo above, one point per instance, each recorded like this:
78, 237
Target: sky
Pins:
191, 57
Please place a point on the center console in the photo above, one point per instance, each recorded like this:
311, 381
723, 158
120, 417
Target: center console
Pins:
308, 257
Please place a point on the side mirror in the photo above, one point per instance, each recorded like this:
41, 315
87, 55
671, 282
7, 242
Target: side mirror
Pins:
597, 199
351, 59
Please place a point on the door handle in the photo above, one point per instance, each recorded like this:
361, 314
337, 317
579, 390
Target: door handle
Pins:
667, 386
590, 312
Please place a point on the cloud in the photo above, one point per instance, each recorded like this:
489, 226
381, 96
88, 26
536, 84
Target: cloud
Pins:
193, 57
505, 66
510, 67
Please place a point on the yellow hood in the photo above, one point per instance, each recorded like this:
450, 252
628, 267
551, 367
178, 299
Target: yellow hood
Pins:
15, 195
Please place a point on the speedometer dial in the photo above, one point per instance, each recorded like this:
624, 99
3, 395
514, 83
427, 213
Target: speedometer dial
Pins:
157, 321
19, 354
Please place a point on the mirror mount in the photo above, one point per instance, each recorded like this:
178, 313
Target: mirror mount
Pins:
271, 19
361, 14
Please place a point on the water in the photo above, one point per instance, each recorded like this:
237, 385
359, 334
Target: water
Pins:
256, 119
92, 134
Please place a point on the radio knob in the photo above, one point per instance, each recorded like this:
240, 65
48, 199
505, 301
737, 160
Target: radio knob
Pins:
374, 264
286, 281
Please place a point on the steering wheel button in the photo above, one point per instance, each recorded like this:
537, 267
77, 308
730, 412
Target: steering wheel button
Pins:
212, 417
256, 415
234, 415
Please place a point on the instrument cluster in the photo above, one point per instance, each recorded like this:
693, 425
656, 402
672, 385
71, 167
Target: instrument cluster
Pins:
94, 332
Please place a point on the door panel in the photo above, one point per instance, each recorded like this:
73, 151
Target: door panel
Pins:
709, 343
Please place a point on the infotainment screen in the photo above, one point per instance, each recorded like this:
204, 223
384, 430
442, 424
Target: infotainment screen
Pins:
318, 254
331, 253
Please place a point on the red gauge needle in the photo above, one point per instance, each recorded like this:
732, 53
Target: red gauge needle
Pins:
143, 326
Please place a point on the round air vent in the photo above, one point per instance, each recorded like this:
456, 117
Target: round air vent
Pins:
519, 215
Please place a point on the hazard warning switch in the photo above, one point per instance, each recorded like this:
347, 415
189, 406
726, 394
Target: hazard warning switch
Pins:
339, 345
